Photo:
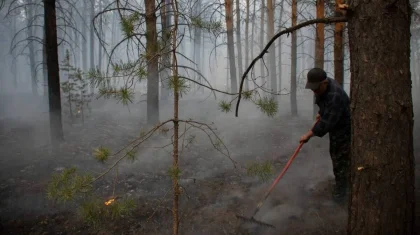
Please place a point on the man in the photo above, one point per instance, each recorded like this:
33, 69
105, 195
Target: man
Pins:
334, 118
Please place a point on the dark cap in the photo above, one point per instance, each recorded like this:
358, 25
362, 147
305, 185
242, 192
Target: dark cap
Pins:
314, 78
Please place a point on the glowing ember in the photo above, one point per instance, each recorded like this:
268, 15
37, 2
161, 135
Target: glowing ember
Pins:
107, 203
78, 111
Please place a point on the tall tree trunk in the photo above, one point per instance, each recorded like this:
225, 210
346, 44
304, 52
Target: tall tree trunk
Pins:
56, 127
92, 40
272, 53
166, 57
280, 65
293, 80
101, 35
338, 48
175, 168
252, 35
303, 56
30, 14
84, 38
263, 79
202, 67
413, 68
60, 40
76, 57
197, 44
246, 43
114, 37
231, 46
227, 71
416, 71
382, 163
44, 63
34, 80
152, 65
238, 39
319, 44
182, 45
14, 57
417, 78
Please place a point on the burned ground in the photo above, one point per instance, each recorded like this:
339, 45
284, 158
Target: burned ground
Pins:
213, 190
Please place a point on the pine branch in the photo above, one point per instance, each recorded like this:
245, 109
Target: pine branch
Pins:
286, 31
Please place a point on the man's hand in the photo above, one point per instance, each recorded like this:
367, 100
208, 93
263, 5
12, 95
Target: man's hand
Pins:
306, 137
318, 117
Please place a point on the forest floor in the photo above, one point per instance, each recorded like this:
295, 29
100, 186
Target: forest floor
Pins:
213, 190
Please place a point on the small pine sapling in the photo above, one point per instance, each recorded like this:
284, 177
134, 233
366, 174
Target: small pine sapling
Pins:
74, 90
68, 87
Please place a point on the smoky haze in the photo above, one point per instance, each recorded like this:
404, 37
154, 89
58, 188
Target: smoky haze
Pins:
213, 189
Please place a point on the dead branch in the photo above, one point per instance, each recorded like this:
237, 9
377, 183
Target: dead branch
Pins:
200, 125
141, 140
208, 87
286, 31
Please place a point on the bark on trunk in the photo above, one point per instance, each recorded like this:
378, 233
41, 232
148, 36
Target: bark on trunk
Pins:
231, 46
319, 44
414, 70
293, 81
152, 65
382, 163
56, 128
338, 48
227, 71
417, 78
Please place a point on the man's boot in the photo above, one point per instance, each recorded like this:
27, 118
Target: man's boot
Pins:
340, 192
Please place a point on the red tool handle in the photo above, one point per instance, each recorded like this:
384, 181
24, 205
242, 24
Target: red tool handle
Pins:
285, 168
282, 173
288, 164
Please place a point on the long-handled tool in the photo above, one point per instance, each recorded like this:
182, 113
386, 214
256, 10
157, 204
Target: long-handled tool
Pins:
259, 205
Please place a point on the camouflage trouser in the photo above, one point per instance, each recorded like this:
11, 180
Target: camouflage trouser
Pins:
340, 143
